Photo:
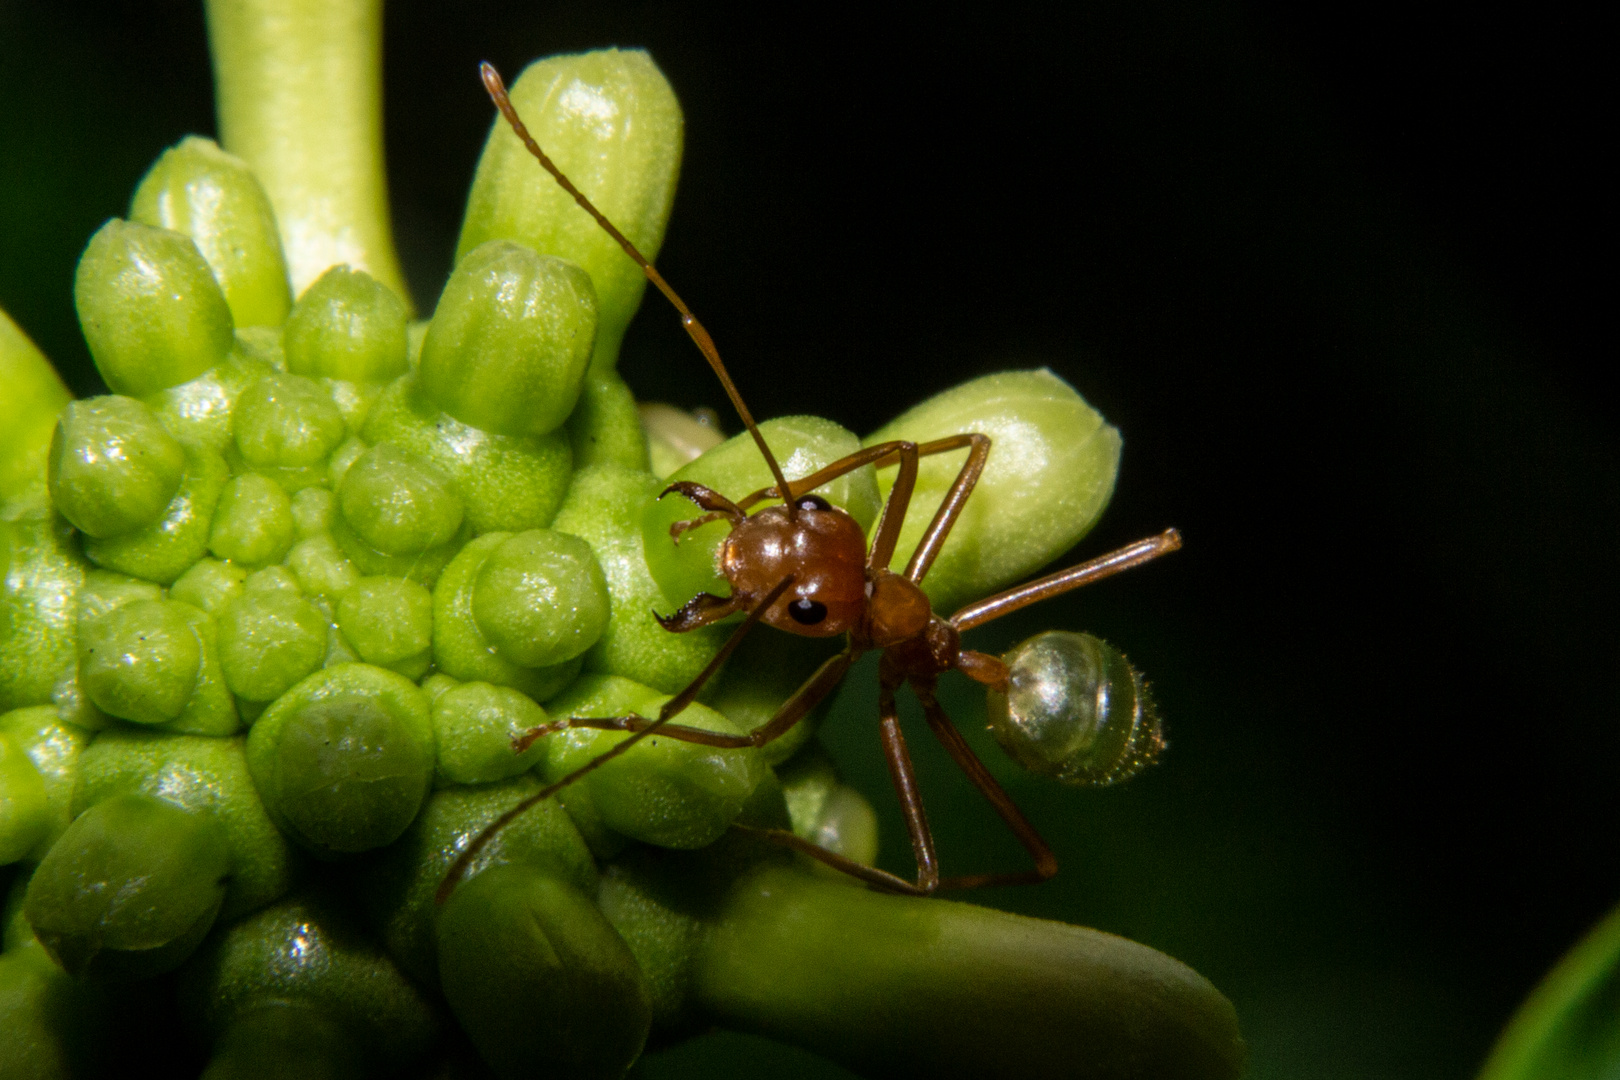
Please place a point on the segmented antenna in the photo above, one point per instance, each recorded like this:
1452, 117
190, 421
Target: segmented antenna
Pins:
694, 329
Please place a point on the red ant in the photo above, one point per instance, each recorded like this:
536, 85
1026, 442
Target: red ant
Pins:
804, 566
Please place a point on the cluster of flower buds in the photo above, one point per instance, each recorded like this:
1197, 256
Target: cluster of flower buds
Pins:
276, 608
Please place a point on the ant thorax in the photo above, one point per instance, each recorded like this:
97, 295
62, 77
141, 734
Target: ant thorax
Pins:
820, 546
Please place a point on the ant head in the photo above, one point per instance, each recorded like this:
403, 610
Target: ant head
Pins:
820, 545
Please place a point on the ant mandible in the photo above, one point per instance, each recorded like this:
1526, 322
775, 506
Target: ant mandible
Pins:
804, 566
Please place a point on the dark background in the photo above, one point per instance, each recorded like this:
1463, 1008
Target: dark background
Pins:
1333, 272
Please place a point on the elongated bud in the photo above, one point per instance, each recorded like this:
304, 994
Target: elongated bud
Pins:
213, 197
150, 308
130, 889
113, 468
539, 978
348, 325
344, 759
510, 340
300, 985
29, 402
398, 886
1051, 470
610, 121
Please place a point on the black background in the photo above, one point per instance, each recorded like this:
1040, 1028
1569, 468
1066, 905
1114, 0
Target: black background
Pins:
1336, 276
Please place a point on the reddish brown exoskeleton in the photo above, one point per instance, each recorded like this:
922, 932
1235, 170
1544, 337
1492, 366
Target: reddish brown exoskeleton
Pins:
804, 566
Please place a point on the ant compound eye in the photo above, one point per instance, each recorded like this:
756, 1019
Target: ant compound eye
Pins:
813, 502
807, 612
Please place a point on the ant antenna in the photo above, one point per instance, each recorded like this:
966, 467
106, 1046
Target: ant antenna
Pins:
694, 329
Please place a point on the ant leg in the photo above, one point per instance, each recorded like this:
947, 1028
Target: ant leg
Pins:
673, 706
825, 679
1045, 862
905, 783
950, 508
1061, 582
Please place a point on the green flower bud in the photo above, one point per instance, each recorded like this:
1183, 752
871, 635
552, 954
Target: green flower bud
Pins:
510, 340
474, 725
837, 970
389, 621
539, 979
104, 591
156, 662
113, 469
829, 813
1050, 473
213, 197
25, 815
204, 775
664, 791
507, 483
676, 437
603, 508
253, 523
285, 1038
320, 565
611, 123
53, 748
540, 598
167, 548
802, 444
209, 585
348, 325
271, 579
55, 1025
306, 952
349, 451
344, 759
150, 308
34, 395
199, 412
285, 427
398, 886
130, 889
398, 504
459, 645
354, 400
269, 640
140, 661
312, 509
40, 576
605, 427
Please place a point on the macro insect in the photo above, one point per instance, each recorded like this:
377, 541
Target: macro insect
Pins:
1062, 704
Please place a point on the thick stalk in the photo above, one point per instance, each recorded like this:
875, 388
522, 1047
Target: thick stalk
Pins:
892, 986
298, 87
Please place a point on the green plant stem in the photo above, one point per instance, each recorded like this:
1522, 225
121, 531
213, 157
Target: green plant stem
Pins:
893, 986
298, 86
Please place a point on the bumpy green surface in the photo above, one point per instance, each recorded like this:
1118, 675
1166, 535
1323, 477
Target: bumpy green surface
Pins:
387, 551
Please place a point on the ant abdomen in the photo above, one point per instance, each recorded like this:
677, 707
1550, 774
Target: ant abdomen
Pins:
1076, 710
